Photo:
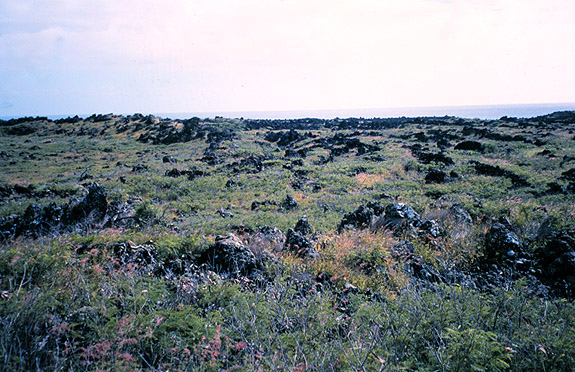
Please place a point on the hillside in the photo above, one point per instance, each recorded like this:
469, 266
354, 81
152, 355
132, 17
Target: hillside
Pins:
421, 244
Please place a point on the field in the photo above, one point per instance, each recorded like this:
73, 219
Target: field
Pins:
419, 244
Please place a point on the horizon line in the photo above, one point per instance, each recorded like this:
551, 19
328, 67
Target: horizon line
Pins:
385, 112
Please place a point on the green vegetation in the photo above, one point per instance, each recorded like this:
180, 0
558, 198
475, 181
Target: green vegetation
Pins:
130, 284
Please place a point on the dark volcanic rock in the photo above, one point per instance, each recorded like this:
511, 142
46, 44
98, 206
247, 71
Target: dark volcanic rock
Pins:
273, 237
229, 254
169, 159
497, 171
431, 228
191, 174
556, 263
436, 176
299, 244
568, 175
93, 208
257, 204
289, 203
284, 138
362, 217
502, 246
303, 227
400, 218
140, 168
429, 157
415, 265
469, 145
95, 205
460, 215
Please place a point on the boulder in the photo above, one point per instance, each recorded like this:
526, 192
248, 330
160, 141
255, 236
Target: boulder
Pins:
299, 244
302, 226
460, 215
556, 262
229, 254
502, 246
469, 145
400, 218
289, 203
362, 217
436, 176
95, 204
431, 228
169, 159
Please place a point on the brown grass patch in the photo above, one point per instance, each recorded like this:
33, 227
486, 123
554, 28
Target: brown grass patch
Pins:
369, 180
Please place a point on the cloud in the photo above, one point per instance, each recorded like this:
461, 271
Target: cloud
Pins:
240, 55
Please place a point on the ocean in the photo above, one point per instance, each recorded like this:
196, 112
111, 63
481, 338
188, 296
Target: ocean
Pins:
478, 112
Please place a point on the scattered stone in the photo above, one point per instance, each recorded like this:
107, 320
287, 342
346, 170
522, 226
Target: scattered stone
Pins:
225, 213
274, 237
289, 203
469, 145
297, 243
95, 205
502, 246
414, 264
229, 254
556, 262
460, 215
431, 228
140, 168
191, 174
362, 217
436, 176
169, 159
303, 227
497, 171
257, 204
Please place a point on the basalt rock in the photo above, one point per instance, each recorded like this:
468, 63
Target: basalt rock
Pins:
497, 171
95, 205
436, 176
270, 236
289, 203
169, 159
257, 204
556, 262
230, 255
303, 227
469, 145
191, 174
404, 252
362, 217
299, 244
400, 218
504, 248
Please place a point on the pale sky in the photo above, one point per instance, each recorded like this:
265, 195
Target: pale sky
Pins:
66, 57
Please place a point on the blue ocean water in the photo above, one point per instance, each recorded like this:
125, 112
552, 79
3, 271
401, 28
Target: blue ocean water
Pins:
478, 112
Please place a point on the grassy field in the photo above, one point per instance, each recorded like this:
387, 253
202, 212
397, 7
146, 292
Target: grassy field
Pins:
141, 243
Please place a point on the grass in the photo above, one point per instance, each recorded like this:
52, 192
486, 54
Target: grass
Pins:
137, 297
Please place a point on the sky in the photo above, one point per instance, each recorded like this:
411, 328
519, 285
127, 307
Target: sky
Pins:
67, 57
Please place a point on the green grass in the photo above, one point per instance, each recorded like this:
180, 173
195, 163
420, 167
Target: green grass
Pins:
71, 301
